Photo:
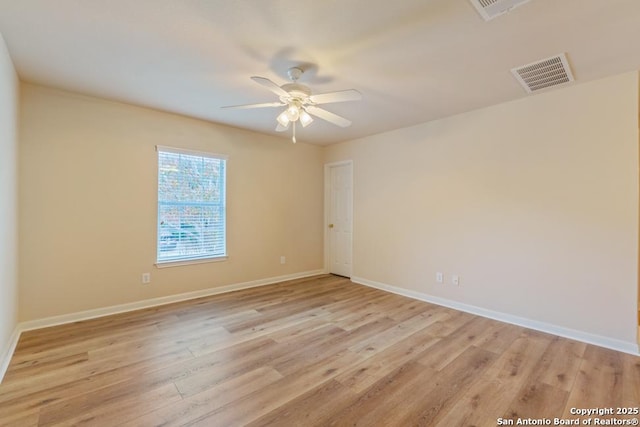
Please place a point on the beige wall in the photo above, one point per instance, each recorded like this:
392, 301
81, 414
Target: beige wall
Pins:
88, 184
8, 198
534, 203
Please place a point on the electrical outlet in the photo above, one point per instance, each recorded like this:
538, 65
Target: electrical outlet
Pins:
283, 260
146, 278
455, 280
439, 277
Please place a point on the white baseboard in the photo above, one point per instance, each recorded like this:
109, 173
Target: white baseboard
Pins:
599, 340
123, 308
5, 358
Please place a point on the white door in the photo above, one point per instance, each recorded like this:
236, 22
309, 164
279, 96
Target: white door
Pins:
339, 218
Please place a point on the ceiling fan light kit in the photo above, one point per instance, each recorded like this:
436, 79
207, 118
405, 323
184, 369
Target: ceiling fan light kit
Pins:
300, 103
305, 119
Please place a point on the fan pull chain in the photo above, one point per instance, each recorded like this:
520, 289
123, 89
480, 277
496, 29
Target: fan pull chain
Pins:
294, 133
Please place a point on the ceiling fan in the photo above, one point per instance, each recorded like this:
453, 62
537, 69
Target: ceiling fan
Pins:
300, 103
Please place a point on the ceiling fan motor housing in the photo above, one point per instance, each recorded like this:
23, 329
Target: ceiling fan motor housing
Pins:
296, 89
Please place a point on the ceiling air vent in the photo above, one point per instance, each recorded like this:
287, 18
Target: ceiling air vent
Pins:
489, 9
544, 74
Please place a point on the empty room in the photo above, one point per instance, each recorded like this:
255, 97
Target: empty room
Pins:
314, 213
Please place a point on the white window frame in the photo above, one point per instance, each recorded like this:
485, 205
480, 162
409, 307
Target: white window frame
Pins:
194, 259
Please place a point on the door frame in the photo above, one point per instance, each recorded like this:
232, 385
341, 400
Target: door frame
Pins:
327, 196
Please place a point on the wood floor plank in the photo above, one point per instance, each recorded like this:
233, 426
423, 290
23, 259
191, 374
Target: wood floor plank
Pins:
274, 333
258, 404
490, 397
199, 405
599, 382
32, 367
403, 309
560, 363
28, 394
454, 321
448, 383
398, 332
414, 391
385, 393
84, 410
299, 329
160, 342
326, 347
313, 351
366, 373
631, 379
28, 418
311, 408
520, 359
52, 349
247, 359
481, 405
274, 321
454, 344
537, 398
498, 336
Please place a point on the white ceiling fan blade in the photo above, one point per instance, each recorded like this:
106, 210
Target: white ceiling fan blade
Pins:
243, 107
270, 85
328, 116
339, 96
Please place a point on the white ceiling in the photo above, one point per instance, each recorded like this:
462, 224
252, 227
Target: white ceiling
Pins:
413, 60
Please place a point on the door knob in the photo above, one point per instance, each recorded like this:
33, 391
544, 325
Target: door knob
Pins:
330, 225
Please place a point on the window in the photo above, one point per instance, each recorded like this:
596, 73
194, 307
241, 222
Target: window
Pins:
191, 206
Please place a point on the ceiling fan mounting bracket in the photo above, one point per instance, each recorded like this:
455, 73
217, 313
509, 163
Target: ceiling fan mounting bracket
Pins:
294, 73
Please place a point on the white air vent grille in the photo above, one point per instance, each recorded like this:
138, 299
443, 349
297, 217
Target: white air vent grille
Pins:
489, 9
544, 74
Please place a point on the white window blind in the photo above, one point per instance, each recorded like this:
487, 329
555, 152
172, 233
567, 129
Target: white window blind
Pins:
191, 205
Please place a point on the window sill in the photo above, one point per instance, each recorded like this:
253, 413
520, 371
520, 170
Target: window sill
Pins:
168, 264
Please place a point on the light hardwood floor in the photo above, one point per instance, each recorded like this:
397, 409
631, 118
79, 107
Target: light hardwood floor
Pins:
317, 351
